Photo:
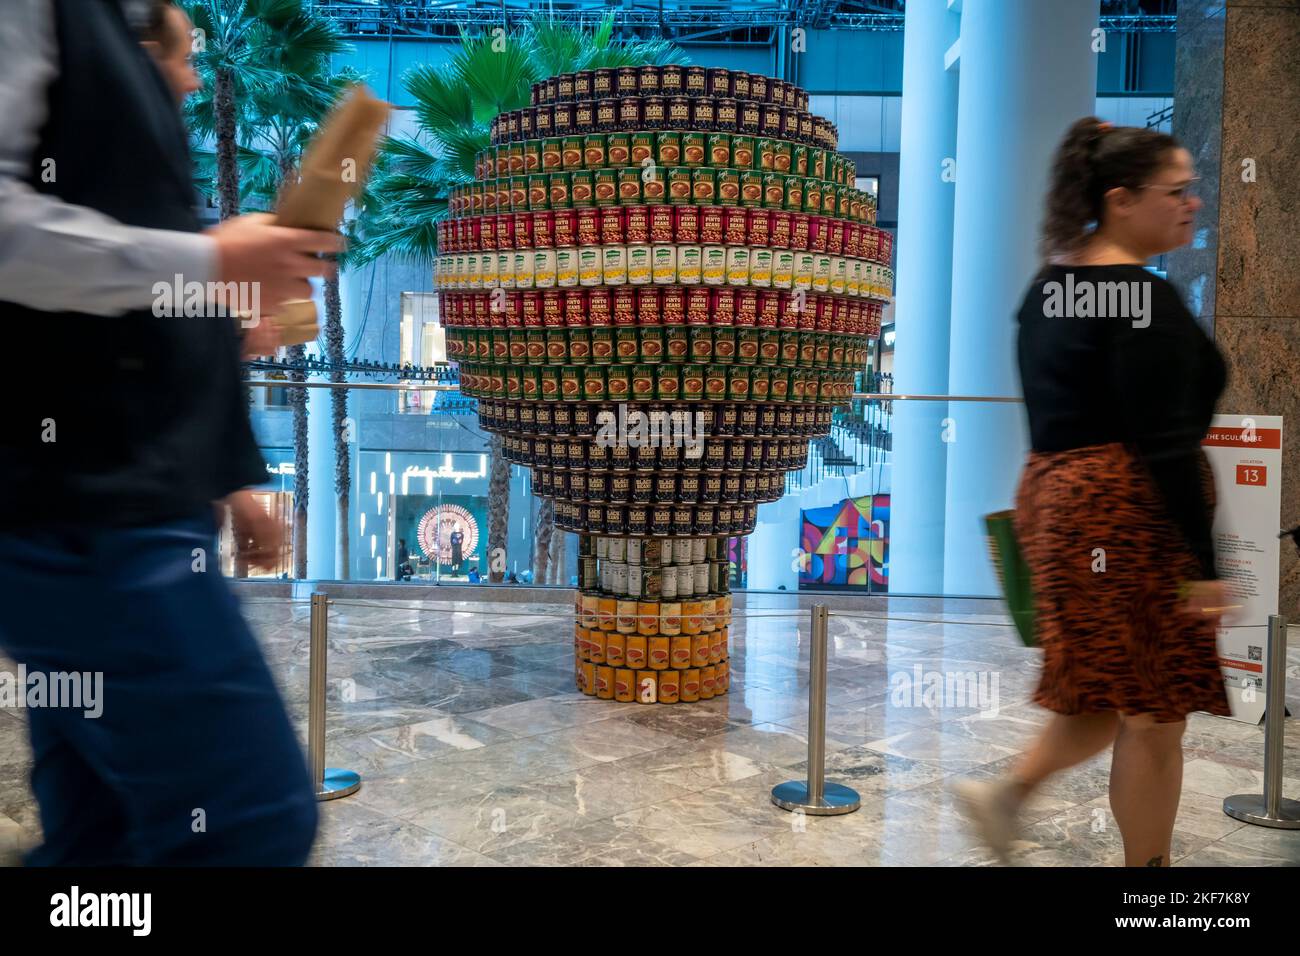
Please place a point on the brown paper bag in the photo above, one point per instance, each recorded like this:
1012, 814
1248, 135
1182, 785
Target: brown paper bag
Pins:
333, 170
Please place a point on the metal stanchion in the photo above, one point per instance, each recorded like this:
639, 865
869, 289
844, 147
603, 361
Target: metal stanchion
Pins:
330, 782
815, 795
1270, 809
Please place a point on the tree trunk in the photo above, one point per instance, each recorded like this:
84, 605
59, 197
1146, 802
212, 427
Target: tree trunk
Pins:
560, 558
298, 401
340, 424
227, 145
498, 511
545, 531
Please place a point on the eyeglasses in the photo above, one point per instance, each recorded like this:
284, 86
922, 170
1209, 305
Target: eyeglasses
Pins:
1181, 192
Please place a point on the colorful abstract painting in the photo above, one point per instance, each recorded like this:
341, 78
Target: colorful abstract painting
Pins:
846, 544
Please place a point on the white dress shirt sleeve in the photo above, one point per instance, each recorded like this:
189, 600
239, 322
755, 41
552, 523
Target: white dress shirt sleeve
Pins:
55, 256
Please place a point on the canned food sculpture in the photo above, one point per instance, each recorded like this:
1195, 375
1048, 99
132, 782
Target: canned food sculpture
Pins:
659, 286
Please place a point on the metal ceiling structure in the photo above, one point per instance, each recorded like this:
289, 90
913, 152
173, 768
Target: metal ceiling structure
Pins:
741, 23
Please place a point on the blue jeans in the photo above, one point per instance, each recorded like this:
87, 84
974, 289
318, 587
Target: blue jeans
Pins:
193, 760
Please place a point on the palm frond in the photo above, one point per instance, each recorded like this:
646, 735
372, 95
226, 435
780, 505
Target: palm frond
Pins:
442, 101
497, 70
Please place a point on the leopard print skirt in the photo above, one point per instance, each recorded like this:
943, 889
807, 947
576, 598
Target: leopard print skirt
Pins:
1106, 564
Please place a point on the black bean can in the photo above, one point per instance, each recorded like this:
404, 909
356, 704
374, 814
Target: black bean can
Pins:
584, 116
749, 486
594, 516
552, 89
562, 117
697, 81
719, 82
770, 125
582, 81
654, 112
706, 520
643, 487
672, 80
578, 485
679, 112
715, 455
616, 519
665, 487
728, 115
637, 524
740, 81
751, 117
704, 113
661, 520
727, 419
629, 113
711, 488
606, 115
527, 122
597, 486
648, 79
563, 418
625, 81
683, 521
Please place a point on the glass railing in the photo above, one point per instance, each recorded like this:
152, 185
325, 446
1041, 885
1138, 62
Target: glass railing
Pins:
889, 501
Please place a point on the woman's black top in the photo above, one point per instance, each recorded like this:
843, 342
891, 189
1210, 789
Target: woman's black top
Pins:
1111, 354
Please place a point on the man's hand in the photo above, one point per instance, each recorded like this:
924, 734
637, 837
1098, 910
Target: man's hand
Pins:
260, 339
257, 536
253, 249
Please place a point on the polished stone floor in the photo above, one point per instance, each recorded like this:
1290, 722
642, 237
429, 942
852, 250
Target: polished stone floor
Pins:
475, 749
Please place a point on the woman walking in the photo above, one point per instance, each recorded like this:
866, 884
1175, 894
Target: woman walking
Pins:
1116, 500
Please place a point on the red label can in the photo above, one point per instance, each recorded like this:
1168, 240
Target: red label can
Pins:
598, 306
566, 227
735, 228
661, 222
747, 308
522, 227
697, 306
817, 233
723, 307
487, 232
840, 315
505, 231
531, 307
673, 306
623, 303
611, 226
637, 224
647, 306
686, 225
543, 230
575, 308
552, 308
712, 224
782, 229
825, 312
588, 233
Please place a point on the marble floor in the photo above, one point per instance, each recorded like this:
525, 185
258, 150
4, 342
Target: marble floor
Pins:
475, 749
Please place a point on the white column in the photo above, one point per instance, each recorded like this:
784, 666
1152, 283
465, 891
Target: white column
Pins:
1027, 72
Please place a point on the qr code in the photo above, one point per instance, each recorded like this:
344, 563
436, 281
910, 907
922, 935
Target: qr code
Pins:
1255, 652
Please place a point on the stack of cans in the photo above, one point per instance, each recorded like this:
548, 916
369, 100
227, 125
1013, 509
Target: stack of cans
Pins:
653, 617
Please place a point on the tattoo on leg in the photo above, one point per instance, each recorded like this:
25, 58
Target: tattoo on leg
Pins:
1156, 861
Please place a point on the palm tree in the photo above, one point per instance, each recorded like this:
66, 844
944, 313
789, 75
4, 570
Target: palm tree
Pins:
454, 107
267, 82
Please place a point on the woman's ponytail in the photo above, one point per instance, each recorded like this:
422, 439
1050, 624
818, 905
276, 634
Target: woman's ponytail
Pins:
1093, 158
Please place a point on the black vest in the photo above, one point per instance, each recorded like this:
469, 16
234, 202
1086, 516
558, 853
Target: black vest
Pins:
149, 417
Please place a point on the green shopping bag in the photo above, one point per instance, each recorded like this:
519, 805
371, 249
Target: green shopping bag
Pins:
1013, 572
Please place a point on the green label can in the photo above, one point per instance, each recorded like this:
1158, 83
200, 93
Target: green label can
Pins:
773, 190
677, 346
765, 155
643, 383
593, 383
799, 162
738, 382
760, 383
593, 151
626, 347
719, 146
618, 383
629, 186
751, 188
782, 155
715, 383
728, 187
558, 184
652, 345
668, 148
618, 149
602, 345
769, 347
692, 382
552, 154
550, 383
701, 344
557, 347
642, 146
742, 152
668, 383
532, 383
606, 184
704, 186
539, 193
582, 188
679, 185
780, 390
693, 149
724, 345
794, 190
579, 346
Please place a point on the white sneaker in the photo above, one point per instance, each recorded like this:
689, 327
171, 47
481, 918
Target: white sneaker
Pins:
993, 805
